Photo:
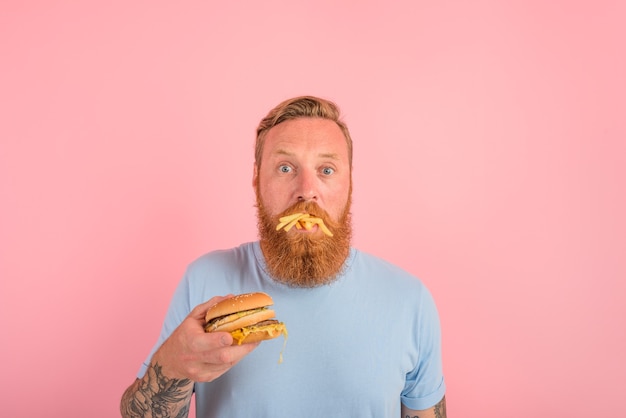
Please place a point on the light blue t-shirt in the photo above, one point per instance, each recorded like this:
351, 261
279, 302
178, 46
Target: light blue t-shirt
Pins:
356, 348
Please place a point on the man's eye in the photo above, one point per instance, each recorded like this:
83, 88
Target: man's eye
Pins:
284, 169
328, 171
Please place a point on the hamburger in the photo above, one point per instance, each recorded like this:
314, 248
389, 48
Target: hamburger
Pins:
247, 317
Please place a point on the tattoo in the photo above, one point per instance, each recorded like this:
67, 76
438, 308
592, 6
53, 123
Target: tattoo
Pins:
440, 409
157, 396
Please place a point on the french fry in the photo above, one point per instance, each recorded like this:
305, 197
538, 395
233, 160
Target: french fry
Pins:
289, 218
295, 221
285, 220
325, 229
302, 220
321, 224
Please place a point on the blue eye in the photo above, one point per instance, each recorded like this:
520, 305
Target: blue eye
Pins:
284, 169
328, 171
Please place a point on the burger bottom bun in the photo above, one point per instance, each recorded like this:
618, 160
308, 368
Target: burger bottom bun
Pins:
256, 333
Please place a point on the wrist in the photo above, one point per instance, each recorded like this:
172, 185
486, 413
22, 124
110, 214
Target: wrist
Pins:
162, 364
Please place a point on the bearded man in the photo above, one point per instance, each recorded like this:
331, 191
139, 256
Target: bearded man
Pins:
364, 335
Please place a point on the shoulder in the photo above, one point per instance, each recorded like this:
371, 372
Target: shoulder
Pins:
217, 268
382, 271
377, 276
222, 259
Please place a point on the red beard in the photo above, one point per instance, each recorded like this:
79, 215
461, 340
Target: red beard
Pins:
305, 259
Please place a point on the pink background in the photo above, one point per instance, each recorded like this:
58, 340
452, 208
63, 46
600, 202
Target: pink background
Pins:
490, 161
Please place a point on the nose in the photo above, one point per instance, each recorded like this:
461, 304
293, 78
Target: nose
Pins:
307, 187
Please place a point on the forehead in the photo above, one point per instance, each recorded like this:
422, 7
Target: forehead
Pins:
306, 136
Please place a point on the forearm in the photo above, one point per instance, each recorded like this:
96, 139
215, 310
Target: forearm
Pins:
157, 395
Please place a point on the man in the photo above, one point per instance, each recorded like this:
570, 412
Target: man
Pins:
364, 335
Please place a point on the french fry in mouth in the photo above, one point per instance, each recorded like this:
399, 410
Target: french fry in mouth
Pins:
285, 220
302, 220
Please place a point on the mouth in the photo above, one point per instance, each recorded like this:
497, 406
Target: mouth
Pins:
304, 222
306, 228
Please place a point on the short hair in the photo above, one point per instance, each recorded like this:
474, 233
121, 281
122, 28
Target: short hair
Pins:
300, 107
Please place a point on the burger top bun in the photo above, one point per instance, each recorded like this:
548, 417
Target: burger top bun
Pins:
239, 303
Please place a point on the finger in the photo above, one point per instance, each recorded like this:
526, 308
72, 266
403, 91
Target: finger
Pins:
214, 340
222, 360
228, 356
209, 341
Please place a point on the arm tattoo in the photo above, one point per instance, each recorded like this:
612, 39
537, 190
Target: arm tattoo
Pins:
157, 396
440, 409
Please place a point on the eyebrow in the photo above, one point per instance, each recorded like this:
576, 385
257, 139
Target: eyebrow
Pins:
329, 155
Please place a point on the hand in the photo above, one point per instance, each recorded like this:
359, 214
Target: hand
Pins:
191, 353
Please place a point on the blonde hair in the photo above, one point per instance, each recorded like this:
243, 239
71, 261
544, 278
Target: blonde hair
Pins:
300, 107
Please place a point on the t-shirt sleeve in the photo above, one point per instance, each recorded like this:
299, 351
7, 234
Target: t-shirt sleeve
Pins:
425, 386
177, 311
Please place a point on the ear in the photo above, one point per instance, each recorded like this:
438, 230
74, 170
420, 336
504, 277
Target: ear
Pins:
255, 176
